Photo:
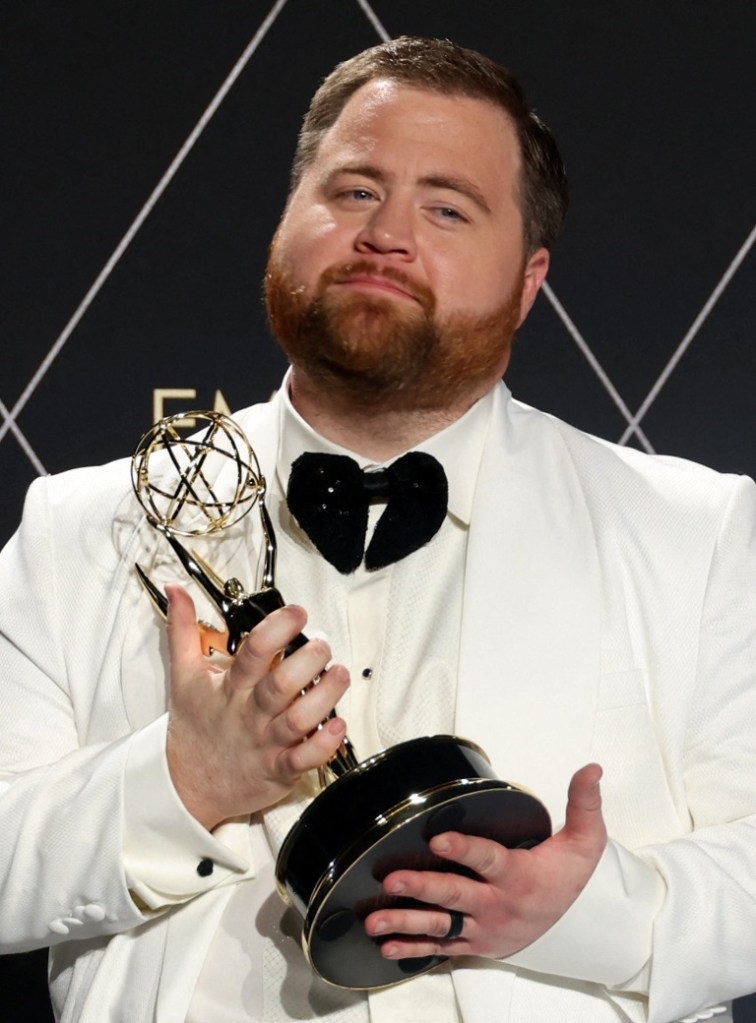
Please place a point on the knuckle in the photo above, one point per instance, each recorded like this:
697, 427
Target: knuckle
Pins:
296, 680
295, 719
488, 859
293, 763
279, 684
294, 613
453, 898
321, 648
285, 623
263, 699
255, 646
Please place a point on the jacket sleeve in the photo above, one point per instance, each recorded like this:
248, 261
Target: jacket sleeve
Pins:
685, 935
705, 930
68, 802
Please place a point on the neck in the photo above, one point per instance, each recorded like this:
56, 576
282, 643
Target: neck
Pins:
373, 433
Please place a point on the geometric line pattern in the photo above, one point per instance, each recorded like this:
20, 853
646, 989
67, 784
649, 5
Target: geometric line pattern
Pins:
691, 334
374, 21
23, 442
597, 368
633, 421
11, 417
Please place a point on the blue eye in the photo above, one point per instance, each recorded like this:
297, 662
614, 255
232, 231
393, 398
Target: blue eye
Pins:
358, 194
450, 214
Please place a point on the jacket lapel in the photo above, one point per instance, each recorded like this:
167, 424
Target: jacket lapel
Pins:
530, 644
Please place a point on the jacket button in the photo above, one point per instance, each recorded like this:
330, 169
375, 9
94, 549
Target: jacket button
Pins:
93, 912
205, 867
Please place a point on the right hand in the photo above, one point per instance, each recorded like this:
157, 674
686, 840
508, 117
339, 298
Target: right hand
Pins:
239, 739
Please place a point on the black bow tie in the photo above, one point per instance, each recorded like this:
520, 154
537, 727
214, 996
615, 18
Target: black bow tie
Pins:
329, 496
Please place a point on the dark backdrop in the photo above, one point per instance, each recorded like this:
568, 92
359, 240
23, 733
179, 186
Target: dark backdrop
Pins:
146, 147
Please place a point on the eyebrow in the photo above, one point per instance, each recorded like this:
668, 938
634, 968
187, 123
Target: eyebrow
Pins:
455, 184
449, 181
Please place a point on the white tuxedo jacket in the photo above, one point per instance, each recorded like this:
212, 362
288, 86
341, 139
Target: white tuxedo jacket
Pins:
609, 615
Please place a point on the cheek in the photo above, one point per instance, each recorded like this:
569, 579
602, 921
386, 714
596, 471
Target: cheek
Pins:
479, 281
307, 245
467, 286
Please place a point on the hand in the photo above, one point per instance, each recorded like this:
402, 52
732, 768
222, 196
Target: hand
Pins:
520, 895
239, 739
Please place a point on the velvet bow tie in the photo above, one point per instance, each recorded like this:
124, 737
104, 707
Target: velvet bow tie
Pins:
329, 496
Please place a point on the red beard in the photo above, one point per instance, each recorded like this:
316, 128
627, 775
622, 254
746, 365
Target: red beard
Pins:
371, 352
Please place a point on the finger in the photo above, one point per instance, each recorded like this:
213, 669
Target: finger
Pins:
183, 638
584, 820
434, 923
293, 675
414, 948
448, 889
312, 752
263, 645
486, 857
300, 674
303, 714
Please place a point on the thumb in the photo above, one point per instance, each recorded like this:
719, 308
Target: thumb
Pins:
584, 820
183, 637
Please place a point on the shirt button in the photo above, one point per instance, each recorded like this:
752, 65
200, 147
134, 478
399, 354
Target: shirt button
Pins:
367, 672
205, 867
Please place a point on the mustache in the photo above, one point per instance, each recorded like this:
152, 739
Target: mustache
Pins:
344, 272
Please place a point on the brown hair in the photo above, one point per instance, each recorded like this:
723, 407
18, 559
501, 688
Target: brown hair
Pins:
441, 66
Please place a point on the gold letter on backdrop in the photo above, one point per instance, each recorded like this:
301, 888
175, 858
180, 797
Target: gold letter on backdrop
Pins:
162, 394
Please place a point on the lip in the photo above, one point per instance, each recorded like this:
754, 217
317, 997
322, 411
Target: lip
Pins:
369, 283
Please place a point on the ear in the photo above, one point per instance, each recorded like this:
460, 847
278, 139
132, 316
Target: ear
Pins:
536, 269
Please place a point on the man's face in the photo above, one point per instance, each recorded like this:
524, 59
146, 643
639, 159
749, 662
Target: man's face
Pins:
398, 274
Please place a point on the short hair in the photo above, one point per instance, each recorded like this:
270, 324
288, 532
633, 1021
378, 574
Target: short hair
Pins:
439, 65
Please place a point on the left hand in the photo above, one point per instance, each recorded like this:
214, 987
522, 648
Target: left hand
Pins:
520, 895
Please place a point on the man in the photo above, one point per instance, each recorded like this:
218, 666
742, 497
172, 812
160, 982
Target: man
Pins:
578, 605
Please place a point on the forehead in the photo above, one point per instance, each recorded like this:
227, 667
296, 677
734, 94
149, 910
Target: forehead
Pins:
389, 122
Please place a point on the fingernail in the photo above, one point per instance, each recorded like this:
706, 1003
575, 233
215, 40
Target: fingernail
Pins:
396, 888
379, 928
440, 845
389, 951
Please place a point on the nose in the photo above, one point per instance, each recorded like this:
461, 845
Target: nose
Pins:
388, 230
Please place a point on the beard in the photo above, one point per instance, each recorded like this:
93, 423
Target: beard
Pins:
371, 353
